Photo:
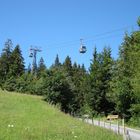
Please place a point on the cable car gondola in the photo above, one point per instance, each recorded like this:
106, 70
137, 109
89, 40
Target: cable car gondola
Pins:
31, 55
82, 47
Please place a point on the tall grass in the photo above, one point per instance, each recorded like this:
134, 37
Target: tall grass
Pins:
26, 117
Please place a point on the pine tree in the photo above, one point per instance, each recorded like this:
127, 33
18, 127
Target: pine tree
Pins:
5, 61
41, 67
75, 65
100, 77
128, 67
106, 77
57, 62
17, 67
8, 48
68, 66
93, 97
83, 68
78, 77
29, 68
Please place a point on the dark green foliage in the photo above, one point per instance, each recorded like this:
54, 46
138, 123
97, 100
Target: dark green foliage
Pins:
24, 83
41, 67
29, 68
79, 87
5, 61
100, 77
16, 68
135, 113
64, 86
127, 67
10, 84
68, 65
59, 90
12, 66
57, 62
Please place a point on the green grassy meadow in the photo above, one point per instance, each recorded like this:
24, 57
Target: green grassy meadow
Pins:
27, 117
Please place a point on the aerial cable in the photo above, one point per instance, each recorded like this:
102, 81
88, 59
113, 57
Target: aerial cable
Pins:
93, 37
88, 40
113, 31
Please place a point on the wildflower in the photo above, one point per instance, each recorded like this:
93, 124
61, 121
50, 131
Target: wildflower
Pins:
10, 125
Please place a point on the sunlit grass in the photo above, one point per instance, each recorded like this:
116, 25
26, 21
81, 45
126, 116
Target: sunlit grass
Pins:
26, 117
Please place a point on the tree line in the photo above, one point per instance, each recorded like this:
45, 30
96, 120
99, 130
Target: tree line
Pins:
109, 86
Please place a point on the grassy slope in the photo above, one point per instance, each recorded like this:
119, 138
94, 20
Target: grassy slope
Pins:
34, 119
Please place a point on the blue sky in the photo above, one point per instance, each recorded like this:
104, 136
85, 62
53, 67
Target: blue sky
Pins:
56, 26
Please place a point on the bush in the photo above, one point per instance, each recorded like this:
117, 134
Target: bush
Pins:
135, 112
10, 84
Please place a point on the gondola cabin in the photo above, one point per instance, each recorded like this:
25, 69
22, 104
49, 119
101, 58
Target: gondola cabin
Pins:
82, 49
31, 55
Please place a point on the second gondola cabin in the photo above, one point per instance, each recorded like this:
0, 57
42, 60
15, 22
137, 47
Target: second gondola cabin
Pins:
31, 55
82, 49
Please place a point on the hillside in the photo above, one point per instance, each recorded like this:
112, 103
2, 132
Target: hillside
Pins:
26, 117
